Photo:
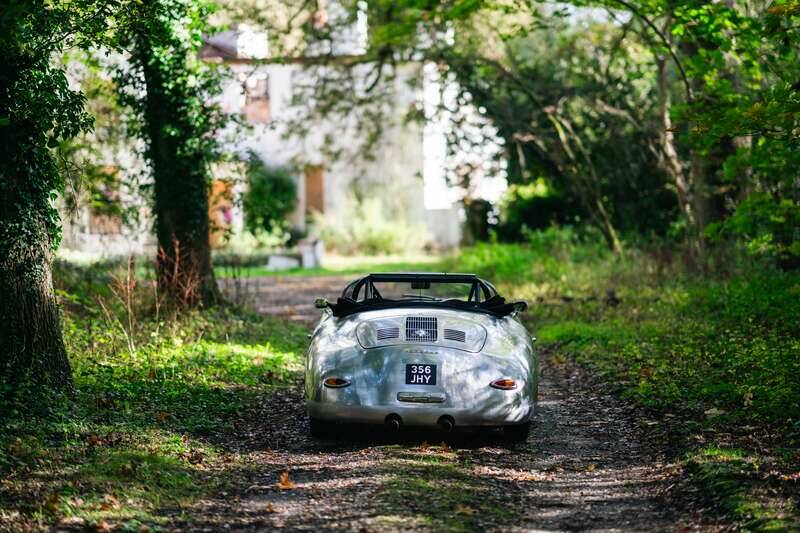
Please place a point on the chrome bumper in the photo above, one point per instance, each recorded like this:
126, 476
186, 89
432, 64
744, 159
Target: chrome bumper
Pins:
422, 414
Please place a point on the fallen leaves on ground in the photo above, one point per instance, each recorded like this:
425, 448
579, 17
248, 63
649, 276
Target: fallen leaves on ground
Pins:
109, 502
102, 526
284, 483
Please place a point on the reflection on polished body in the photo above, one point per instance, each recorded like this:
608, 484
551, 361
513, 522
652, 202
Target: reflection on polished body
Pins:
429, 350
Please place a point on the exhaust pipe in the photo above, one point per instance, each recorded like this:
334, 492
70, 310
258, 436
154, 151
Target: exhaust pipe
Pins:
446, 423
394, 423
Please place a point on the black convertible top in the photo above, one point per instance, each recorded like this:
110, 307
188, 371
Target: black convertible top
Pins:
362, 295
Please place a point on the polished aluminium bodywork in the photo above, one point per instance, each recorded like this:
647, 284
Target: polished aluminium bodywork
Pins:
352, 348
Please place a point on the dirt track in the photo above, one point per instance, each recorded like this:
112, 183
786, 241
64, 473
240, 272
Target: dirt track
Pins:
588, 465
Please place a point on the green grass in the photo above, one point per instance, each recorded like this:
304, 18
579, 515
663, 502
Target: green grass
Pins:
435, 490
722, 351
339, 265
743, 487
148, 427
157, 398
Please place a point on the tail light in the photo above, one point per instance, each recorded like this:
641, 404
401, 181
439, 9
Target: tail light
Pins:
335, 383
504, 384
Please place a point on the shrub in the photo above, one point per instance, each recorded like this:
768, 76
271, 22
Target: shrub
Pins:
271, 195
371, 229
768, 226
532, 206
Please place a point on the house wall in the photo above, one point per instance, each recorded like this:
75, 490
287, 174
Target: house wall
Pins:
398, 172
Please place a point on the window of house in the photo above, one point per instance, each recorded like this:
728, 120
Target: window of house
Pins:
257, 104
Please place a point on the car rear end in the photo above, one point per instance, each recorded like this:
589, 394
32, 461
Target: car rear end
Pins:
422, 367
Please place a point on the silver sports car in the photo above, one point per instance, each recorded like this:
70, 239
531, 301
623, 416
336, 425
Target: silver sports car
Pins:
424, 350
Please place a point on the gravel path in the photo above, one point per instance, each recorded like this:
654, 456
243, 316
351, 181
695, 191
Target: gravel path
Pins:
289, 297
588, 465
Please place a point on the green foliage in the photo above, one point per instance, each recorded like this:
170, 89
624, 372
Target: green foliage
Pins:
712, 356
572, 102
171, 95
144, 429
370, 226
533, 206
769, 225
271, 196
38, 111
547, 257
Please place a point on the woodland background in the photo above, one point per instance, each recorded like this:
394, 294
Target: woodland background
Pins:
652, 221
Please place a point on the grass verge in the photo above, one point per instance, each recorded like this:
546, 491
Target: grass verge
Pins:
719, 352
340, 265
149, 430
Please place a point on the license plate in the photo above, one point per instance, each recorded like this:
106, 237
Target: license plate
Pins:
420, 374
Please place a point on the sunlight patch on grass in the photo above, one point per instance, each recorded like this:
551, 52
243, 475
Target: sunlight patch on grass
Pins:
429, 485
342, 265
738, 484
143, 433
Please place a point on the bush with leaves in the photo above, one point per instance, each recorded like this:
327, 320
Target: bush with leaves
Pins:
271, 196
370, 229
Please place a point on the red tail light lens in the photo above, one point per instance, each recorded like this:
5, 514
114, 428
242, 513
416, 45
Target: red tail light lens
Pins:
504, 384
335, 383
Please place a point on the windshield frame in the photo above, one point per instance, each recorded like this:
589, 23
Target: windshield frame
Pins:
361, 294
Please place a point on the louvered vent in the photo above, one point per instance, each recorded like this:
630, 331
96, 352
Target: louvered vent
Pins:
421, 329
455, 335
388, 333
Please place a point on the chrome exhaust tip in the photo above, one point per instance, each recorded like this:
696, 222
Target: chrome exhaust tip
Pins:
394, 423
446, 423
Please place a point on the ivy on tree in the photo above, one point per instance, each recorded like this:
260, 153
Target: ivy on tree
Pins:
168, 90
38, 110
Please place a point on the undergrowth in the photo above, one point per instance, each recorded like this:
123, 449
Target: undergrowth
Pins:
148, 426
717, 342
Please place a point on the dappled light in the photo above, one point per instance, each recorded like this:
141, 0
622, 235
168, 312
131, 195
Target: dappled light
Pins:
377, 265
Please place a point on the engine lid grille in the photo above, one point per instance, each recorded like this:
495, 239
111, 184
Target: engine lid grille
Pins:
388, 333
422, 329
455, 335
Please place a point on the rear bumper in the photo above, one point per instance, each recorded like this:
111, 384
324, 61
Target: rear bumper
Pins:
427, 415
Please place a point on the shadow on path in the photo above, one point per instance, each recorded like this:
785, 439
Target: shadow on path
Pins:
586, 466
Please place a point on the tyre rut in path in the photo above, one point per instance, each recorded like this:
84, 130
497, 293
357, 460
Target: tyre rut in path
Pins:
586, 466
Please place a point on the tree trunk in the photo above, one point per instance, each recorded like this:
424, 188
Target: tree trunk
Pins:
31, 345
671, 162
181, 186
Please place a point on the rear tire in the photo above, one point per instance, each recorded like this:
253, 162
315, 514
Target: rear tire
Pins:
321, 429
517, 433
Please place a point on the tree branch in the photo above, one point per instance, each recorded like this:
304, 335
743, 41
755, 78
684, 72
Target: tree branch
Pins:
667, 44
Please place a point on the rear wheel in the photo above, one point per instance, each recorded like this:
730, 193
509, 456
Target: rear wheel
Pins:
518, 432
321, 429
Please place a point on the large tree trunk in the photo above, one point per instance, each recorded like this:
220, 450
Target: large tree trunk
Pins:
31, 345
181, 186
